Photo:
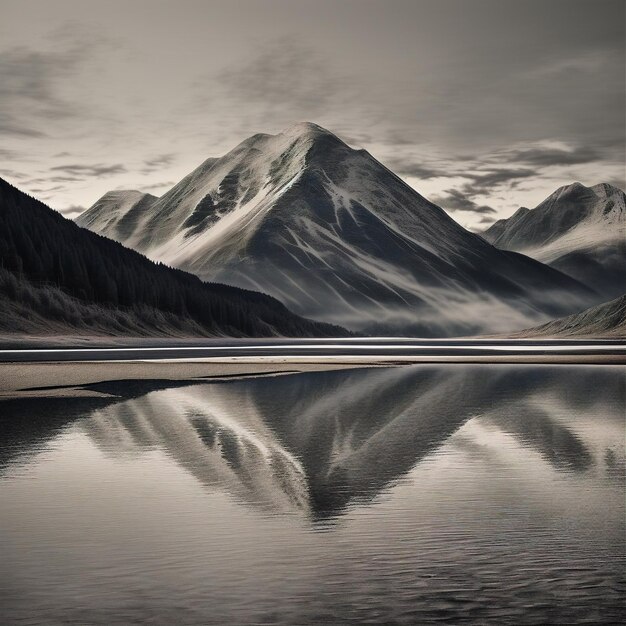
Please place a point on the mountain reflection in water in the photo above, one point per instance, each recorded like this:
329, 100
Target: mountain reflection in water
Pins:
314, 442
436, 478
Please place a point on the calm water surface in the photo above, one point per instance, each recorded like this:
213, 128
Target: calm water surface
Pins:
417, 495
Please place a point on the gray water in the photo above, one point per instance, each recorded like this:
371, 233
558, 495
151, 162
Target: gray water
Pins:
417, 495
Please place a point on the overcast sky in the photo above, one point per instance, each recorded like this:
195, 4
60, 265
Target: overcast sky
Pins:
481, 105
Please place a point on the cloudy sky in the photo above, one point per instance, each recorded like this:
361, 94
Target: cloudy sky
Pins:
481, 105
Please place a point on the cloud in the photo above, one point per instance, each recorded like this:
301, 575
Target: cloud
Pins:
97, 170
284, 73
65, 179
357, 137
481, 177
13, 174
408, 167
72, 211
278, 84
28, 88
37, 181
6, 154
547, 157
484, 183
38, 81
157, 163
152, 187
495, 177
482, 225
46, 190
481, 183
455, 201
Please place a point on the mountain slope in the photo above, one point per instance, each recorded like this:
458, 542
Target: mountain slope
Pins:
604, 320
58, 277
578, 230
335, 235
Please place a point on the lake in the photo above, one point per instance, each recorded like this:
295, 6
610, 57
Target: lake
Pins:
452, 493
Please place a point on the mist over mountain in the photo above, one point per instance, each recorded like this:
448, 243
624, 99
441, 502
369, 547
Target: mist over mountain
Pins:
578, 230
336, 236
56, 277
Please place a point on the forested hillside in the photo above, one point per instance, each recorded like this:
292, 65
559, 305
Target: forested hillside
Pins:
54, 274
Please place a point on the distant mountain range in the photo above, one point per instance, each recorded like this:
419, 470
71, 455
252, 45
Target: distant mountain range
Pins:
58, 278
578, 230
338, 237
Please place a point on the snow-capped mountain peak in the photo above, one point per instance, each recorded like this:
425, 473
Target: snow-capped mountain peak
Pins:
571, 216
307, 131
579, 230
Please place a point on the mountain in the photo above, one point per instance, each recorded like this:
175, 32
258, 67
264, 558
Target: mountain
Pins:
118, 212
604, 320
56, 277
578, 230
335, 235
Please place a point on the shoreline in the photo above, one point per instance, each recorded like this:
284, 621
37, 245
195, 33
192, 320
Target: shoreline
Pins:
84, 342
68, 378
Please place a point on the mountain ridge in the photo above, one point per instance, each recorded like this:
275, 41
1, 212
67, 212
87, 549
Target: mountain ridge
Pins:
574, 203
578, 230
336, 235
